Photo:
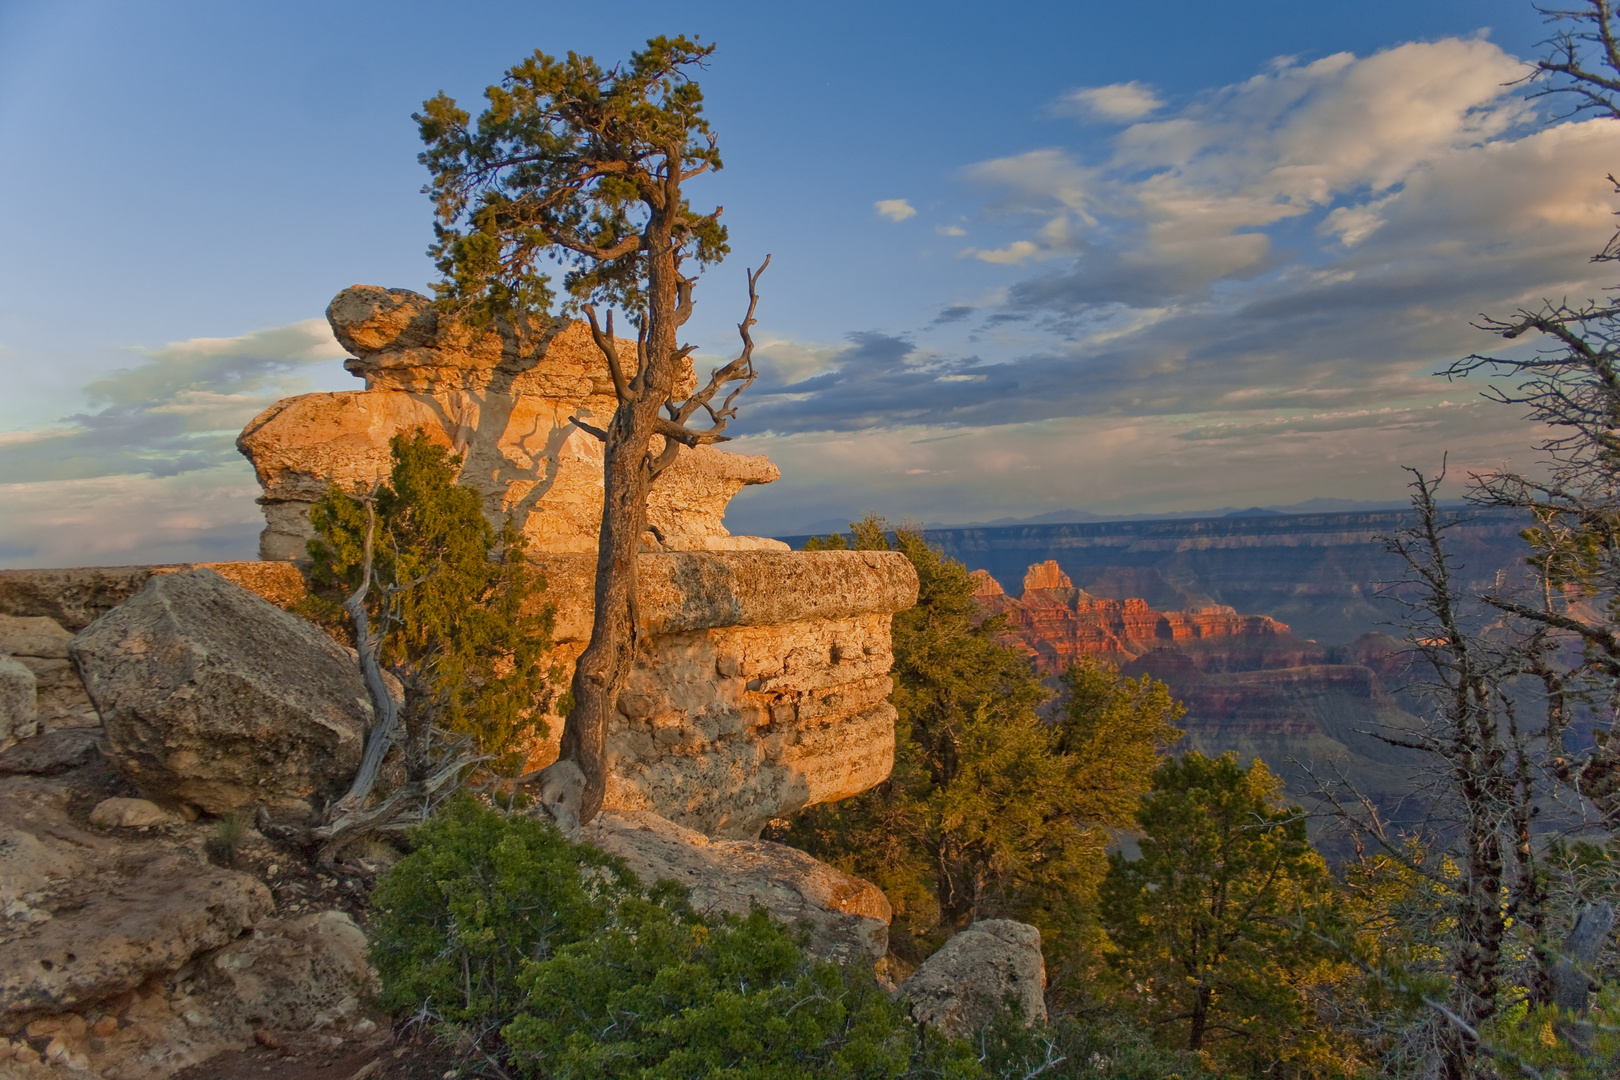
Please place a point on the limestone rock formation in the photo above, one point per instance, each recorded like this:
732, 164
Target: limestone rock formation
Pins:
292, 974
960, 987
501, 398
213, 696
41, 645
19, 710
848, 918
762, 688
86, 918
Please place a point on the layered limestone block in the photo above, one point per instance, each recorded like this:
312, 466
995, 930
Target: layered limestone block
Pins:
505, 401
761, 687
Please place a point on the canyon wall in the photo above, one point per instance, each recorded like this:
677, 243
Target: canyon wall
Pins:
1250, 685
1319, 573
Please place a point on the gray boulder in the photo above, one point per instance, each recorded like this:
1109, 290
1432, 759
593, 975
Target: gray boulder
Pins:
214, 696
848, 918
41, 645
18, 710
293, 975
960, 987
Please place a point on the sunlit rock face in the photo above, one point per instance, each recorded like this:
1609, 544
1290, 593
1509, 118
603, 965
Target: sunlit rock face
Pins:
763, 683
1058, 623
503, 400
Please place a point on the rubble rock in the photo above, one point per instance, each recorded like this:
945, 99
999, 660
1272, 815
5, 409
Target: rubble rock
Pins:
960, 987
84, 917
216, 697
293, 975
848, 918
41, 645
19, 712
130, 814
53, 752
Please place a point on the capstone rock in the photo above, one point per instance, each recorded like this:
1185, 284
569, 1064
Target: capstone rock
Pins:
959, 988
504, 400
848, 919
213, 696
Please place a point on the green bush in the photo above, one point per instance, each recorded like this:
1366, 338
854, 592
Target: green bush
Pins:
480, 895
552, 958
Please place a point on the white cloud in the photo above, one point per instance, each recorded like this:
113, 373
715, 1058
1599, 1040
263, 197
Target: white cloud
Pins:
203, 516
950, 230
1117, 102
895, 209
152, 474
1188, 194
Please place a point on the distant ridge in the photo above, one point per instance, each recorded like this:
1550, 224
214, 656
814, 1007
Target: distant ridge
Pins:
1318, 505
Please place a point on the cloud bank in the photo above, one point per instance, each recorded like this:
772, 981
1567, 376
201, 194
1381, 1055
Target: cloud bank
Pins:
1278, 263
150, 471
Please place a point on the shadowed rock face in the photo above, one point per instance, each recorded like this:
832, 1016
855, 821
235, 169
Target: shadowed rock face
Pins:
500, 398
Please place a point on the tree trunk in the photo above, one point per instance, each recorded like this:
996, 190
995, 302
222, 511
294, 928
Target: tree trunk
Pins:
574, 787
1200, 1019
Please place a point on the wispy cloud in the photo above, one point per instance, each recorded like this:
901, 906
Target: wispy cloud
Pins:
1263, 278
895, 209
1126, 101
150, 473
177, 411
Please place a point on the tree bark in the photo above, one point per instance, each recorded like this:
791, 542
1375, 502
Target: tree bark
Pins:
601, 671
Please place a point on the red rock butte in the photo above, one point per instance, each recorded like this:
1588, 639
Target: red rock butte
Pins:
1056, 622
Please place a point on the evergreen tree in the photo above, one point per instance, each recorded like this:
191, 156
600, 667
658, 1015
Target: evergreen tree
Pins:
990, 810
451, 601
1208, 922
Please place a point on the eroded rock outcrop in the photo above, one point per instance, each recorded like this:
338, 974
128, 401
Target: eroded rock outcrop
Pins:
213, 696
848, 918
501, 398
960, 987
1057, 623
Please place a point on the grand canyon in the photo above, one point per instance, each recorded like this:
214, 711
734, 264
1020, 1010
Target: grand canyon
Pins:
1272, 630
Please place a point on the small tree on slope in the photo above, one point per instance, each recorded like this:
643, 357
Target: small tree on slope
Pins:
585, 166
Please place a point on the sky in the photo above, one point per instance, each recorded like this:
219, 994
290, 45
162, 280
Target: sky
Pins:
1036, 258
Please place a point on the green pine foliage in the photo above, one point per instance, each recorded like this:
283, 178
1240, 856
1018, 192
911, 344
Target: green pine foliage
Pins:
990, 811
550, 957
467, 633
1210, 923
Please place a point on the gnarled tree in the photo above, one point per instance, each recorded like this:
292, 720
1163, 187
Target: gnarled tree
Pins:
584, 166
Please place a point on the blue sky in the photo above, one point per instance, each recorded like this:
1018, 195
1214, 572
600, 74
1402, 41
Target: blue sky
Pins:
1040, 257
